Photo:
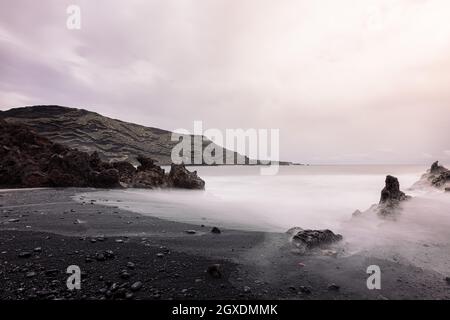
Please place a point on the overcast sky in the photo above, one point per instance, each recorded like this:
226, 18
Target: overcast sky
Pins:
348, 81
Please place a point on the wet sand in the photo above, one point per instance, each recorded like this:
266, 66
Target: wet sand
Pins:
163, 261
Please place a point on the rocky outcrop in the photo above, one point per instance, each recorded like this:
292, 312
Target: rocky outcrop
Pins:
309, 239
391, 196
29, 160
179, 177
437, 176
391, 192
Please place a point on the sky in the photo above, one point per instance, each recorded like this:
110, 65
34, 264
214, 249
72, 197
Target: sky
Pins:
345, 82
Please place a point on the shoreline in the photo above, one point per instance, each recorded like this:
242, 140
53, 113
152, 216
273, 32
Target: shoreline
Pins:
254, 265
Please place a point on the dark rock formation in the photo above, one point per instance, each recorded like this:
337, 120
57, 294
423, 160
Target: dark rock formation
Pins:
391, 196
391, 192
215, 230
437, 176
309, 239
29, 160
180, 177
437, 169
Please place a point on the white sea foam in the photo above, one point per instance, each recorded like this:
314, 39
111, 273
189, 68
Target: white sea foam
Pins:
309, 197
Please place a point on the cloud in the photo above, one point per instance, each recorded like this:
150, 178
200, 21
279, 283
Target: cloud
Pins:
337, 78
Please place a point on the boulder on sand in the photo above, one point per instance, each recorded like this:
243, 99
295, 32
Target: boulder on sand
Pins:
309, 239
180, 177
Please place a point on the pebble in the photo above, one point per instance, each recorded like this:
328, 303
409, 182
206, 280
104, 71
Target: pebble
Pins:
136, 286
190, 231
333, 287
30, 274
109, 254
247, 289
51, 272
215, 230
100, 257
124, 274
214, 271
24, 254
131, 265
305, 290
129, 296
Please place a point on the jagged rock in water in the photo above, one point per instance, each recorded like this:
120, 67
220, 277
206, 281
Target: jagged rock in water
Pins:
391, 191
294, 230
180, 177
309, 239
391, 196
437, 169
437, 176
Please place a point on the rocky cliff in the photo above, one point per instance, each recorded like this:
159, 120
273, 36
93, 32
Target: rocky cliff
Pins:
114, 140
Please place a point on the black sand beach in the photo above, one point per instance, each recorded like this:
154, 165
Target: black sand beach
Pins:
124, 255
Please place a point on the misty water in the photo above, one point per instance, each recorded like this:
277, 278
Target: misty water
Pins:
315, 197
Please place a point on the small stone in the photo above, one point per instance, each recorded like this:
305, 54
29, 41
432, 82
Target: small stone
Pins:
30, 274
247, 289
51, 272
190, 231
214, 271
124, 275
24, 254
136, 286
333, 287
305, 290
100, 257
109, 254
119, 240
37, 249
131, 265
129, 296
160, 255
13, 220
215, 230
